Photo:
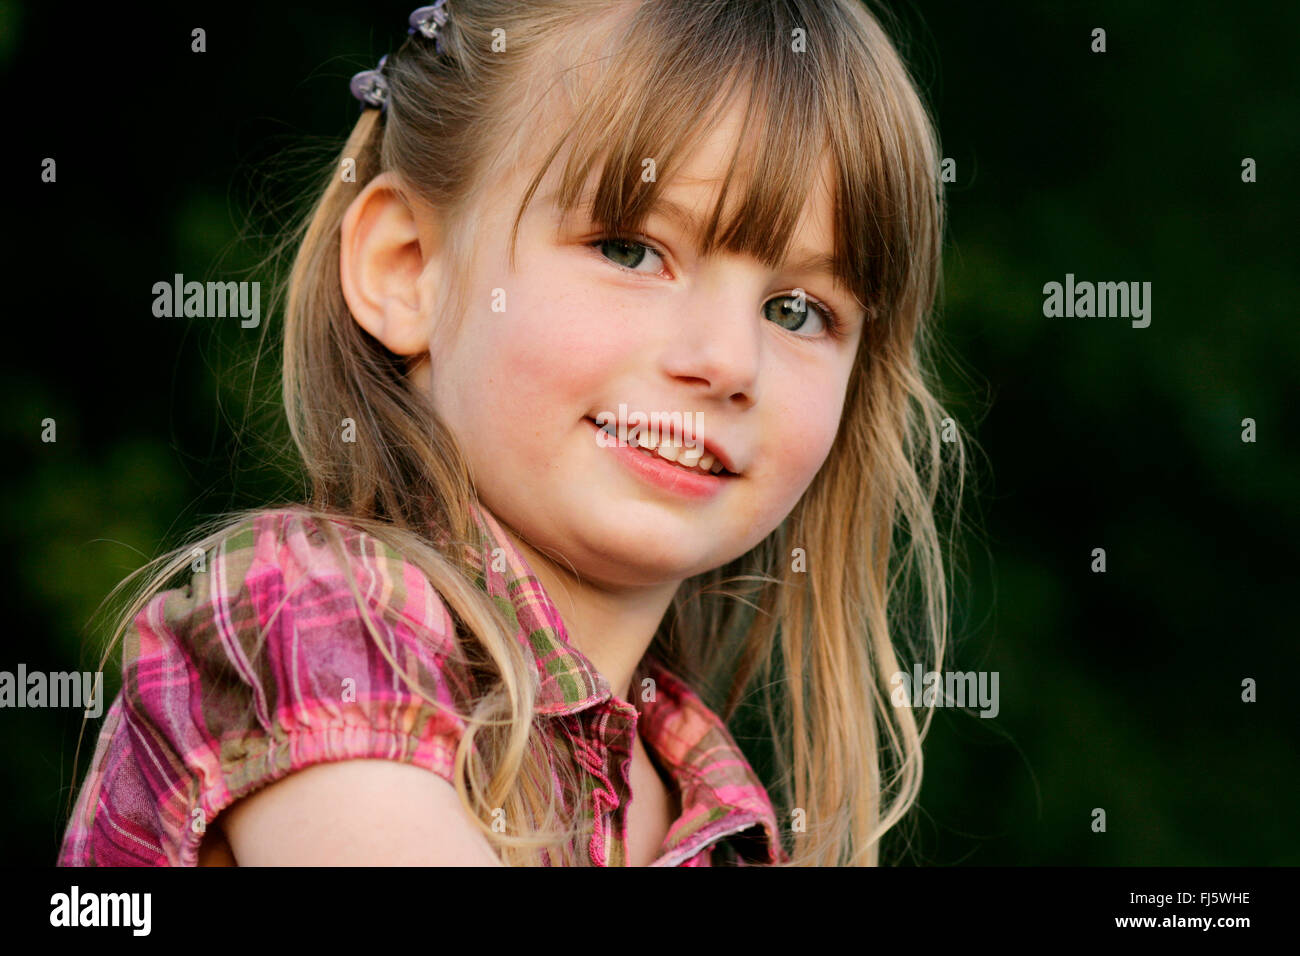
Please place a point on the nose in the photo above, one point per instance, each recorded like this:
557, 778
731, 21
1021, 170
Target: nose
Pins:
716, 344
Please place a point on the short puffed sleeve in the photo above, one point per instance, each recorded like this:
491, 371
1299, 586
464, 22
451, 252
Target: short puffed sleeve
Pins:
262, 665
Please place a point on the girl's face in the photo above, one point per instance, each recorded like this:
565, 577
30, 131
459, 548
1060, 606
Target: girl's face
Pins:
584, 326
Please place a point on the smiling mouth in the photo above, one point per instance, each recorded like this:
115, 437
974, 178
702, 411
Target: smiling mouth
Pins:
700, 462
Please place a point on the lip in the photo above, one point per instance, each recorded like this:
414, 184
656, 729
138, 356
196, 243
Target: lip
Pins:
665, 475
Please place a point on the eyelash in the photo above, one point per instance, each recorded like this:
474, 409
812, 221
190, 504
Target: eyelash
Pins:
834, 326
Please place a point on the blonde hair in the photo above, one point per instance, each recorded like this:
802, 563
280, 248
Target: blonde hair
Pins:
820, 644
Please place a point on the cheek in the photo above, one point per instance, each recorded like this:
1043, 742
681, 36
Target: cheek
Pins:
542, 364
802, 439
797, 440
558, 350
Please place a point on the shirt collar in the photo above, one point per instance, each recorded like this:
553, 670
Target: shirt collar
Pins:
718, 787
570, 682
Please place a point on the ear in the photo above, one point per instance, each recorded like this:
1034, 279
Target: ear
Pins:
388, 266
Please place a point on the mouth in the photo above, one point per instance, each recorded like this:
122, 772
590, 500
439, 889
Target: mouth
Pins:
697, 460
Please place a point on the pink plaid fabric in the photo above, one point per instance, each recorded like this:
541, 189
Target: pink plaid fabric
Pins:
262, 665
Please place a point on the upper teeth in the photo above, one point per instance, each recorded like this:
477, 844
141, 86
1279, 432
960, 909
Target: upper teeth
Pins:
680, 454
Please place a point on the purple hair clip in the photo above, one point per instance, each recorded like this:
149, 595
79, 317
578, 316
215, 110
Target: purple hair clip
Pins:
370, 87
427, 21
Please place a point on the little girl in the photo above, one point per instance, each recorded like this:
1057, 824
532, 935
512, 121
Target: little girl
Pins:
559, 228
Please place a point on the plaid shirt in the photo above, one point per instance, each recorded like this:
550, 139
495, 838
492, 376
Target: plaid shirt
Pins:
208, 713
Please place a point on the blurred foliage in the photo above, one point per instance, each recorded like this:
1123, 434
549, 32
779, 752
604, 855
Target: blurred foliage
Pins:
1119, 691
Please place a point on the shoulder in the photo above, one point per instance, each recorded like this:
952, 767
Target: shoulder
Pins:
285, 602
287, 580
297, 640
319, 566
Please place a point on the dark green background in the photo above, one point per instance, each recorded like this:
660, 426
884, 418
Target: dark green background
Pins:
1119, 691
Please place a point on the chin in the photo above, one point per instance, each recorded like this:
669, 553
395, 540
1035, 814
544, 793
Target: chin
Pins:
628, 557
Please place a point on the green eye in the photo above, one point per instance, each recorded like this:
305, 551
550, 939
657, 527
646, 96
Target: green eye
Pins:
786, 312
628, 253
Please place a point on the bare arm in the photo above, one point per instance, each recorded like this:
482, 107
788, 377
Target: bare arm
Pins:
355, 813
